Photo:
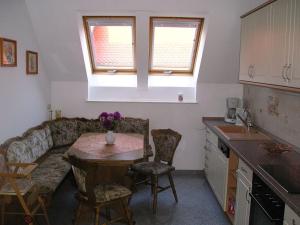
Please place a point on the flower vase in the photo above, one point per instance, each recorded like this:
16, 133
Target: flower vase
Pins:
110, 137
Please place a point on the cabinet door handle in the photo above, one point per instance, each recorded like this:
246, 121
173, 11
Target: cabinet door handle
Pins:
286, 72
206, 157
244, 170
293, 222
248, 195
207, 149
253, 71
249, 71
283, 72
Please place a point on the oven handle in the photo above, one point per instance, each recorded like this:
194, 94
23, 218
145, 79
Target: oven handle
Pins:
267, 214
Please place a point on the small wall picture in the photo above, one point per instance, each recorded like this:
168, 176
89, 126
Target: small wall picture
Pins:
8, 50
32, 62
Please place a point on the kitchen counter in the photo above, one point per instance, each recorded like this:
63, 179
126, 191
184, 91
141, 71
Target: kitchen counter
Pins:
252, 153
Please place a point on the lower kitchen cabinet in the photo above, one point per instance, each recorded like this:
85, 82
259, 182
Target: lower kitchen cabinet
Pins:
216, 164
290, 217
243, 200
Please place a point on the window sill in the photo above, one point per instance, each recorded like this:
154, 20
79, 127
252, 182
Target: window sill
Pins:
142, 101
171, 81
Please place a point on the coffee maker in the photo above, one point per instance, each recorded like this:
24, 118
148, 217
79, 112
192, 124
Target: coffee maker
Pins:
232, 105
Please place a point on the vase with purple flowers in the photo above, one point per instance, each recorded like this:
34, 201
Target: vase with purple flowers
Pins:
110, 121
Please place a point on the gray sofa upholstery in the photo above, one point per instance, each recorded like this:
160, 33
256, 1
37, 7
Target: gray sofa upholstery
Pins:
46, 144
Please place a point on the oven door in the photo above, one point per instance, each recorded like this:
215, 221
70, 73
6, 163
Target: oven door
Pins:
260, 216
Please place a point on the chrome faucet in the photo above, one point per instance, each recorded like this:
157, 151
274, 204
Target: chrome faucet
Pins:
247, 121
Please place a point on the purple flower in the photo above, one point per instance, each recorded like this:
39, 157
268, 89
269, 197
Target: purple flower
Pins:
103, 116
117, 115
110, 120
110, 117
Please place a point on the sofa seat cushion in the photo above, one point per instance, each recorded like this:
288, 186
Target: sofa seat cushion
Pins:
64, 131
59, 150
50, 173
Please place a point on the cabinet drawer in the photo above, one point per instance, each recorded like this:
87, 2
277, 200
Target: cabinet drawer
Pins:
246, 171
290, 217
211, 137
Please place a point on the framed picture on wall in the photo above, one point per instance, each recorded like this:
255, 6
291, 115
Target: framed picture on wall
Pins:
8, 50
32, 64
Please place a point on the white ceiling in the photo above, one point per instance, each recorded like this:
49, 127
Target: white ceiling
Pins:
55, 24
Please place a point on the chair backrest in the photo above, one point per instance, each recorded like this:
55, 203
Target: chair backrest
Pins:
135, 125
90, 171
3, 167
166, 142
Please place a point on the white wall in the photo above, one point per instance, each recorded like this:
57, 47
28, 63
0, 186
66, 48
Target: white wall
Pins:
23, 98
70, 97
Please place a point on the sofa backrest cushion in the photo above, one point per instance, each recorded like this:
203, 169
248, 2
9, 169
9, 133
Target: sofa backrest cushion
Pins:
29, 149
134, 125
19, 152
44, 135
64, 131
89, 126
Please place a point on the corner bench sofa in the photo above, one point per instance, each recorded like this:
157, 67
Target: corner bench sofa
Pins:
46, 144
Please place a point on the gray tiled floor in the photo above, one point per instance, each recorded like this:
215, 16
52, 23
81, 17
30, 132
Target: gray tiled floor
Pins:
197, 205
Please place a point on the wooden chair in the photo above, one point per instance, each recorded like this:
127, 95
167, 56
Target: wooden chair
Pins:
166, 142
16, 182
100, 195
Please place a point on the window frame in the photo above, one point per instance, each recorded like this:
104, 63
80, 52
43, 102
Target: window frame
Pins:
195, 51
97, 71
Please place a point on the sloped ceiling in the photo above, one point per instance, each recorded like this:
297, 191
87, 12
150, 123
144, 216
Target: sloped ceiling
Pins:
55, 24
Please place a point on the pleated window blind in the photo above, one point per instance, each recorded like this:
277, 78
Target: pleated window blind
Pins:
111, 43
174, 44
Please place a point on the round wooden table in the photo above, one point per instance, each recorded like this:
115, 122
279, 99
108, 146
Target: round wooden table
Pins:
114, 159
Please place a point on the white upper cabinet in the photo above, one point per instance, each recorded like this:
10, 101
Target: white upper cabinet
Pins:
294, 72
270, 45
280, 41
255, 45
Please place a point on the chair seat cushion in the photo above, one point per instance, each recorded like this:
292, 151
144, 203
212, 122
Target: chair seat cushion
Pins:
155, 168
50, 173
110, 193
24, 185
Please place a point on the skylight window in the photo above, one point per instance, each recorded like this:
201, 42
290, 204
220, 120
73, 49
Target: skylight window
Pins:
174, 43
111, 43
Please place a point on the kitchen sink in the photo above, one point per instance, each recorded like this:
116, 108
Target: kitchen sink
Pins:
233, 132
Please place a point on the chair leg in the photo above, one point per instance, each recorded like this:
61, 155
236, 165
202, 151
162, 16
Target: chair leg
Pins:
128, 216
78, 214
152, 179
97, 212
172, 186
107, 213
44, 210
2, 211
155, 189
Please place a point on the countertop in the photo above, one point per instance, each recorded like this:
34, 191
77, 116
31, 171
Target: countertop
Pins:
253, 155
